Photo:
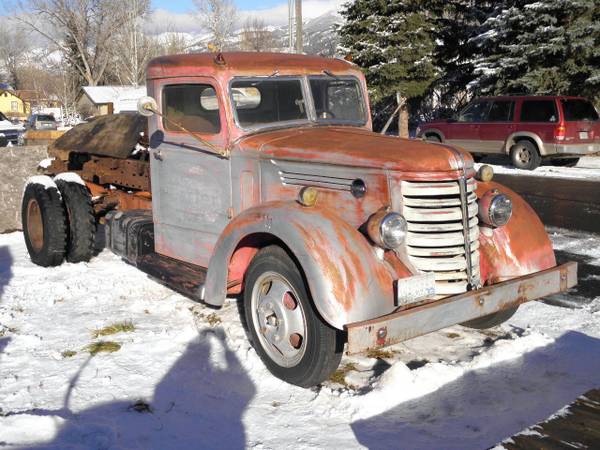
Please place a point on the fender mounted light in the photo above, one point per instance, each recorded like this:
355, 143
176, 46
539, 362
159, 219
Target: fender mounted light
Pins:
495, 208
485, 173
308, 196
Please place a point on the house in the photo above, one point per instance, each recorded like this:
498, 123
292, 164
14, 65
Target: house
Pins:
38, 100
13, 106
101, 100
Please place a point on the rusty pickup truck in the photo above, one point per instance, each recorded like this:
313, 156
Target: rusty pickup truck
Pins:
259, 176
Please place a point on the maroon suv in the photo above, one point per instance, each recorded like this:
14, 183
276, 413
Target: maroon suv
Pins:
528, 128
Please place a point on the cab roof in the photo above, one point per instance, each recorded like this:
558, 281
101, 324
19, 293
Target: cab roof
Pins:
246, 64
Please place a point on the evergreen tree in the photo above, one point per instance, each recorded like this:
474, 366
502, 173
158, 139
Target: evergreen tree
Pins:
393, 42
541, 47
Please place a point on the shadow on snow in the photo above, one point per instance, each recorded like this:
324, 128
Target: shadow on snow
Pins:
485, 406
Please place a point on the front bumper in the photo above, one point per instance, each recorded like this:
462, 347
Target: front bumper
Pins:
577, 149
409, 323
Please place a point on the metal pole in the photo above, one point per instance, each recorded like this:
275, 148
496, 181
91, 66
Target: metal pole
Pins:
299, 46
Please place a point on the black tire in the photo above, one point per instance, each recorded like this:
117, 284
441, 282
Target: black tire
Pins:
433, 138
322, 346
491, 320
525, 155
44, 225
565, 162
81, 230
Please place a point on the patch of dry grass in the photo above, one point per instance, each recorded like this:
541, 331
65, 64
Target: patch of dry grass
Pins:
119, 327
339, 376
102, 347
68, 353
380, 354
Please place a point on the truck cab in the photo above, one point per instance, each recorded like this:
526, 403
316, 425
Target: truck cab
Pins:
259, 176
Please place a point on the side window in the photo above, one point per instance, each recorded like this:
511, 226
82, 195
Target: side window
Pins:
501, 111
193, 106
539, 111
476, 112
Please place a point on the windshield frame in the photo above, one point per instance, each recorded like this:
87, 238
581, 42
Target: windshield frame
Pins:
311, 114
335, 121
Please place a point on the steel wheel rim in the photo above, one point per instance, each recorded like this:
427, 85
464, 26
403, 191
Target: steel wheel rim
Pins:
523, 155
278, 319
35, 225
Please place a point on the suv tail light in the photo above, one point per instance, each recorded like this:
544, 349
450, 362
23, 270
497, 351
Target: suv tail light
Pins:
560, 132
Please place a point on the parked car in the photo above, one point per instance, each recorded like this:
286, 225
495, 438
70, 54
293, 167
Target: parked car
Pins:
41, 122
263, 177
527, 128
9, 132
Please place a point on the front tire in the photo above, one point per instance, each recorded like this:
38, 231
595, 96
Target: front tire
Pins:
524, 155
44, 223
81, 220
291, 339
491, 320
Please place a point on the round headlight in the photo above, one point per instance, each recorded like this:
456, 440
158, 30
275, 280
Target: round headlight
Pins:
495, 209
387, 229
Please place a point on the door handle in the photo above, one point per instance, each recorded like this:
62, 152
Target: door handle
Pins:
158, 155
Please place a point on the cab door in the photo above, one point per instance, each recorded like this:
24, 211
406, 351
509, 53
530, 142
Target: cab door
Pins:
191, 185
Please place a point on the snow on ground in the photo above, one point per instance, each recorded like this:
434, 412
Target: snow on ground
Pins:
186, 377
587, 168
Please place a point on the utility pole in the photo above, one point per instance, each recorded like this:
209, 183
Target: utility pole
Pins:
290, 26
299, 46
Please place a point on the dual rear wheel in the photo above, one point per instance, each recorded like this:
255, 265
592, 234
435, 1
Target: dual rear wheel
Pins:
58, 221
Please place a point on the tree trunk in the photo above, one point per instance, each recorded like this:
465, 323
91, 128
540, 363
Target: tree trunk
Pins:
402, 116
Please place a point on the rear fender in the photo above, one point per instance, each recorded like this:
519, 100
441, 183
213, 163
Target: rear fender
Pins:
347, 280
520, 247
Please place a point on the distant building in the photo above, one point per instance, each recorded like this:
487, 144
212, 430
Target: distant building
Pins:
38, 101
13, 106
101, 100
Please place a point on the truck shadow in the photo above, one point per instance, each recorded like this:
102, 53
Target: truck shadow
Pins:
199, 403
588, 285
486, 406
6, 262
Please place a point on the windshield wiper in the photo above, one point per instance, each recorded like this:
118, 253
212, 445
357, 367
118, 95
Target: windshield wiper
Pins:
329, 74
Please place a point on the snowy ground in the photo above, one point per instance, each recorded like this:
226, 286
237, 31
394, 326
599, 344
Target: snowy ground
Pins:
587, 168
204, 386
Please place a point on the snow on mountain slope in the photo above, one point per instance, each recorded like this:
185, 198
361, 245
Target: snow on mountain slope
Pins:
186, 377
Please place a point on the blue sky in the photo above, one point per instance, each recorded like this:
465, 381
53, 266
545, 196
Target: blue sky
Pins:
182, 6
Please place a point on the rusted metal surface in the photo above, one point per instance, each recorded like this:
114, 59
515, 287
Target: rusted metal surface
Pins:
577, 426
113, 135
346, 278
413, 322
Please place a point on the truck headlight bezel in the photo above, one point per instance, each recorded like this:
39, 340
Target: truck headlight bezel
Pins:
495, 208
387, 229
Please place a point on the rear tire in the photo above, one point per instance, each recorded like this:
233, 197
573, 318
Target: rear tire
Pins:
81, 231
524, 155
566, 162
44, 224
491, 320
290, 337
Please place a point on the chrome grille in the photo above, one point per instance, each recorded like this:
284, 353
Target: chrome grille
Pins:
437, 240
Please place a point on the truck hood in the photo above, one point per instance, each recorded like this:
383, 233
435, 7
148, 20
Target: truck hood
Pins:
358, 147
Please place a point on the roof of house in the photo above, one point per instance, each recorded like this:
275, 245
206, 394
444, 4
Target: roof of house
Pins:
123, 98
11, 92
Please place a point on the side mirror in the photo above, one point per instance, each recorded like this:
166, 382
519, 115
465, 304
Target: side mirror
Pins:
147, 106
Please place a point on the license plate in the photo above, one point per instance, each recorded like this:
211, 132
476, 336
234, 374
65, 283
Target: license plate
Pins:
415, 288
583, 135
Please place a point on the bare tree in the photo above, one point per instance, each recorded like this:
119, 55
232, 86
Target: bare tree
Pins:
83, 30
131, 48
13, 48
256, 37
218, 18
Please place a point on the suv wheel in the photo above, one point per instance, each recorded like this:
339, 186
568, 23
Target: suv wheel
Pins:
290, 337
525, 155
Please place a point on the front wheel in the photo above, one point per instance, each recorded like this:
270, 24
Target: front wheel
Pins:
290, 337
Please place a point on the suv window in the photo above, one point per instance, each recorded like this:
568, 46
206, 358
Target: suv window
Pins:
45, 118
193, 106
475, 112
578, 109
539, 111
501, 111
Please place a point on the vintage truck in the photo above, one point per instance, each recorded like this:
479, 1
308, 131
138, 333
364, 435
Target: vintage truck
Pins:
260, 175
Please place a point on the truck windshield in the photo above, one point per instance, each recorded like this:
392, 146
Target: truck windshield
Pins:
579, 109
265, 101
337, 99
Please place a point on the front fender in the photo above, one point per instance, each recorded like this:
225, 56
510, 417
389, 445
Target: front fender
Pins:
347, 280
518, 248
